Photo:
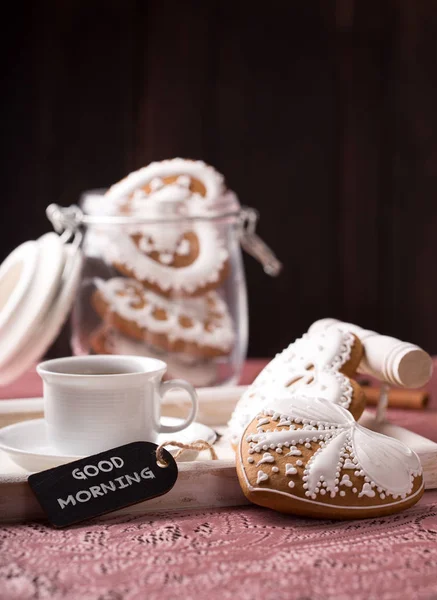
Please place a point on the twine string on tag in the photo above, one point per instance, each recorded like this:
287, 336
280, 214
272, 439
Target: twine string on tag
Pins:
198, 445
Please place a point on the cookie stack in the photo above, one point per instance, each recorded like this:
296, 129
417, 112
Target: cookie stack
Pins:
170, 259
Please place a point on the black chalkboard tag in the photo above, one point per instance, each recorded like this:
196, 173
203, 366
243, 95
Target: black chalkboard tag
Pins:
102, 483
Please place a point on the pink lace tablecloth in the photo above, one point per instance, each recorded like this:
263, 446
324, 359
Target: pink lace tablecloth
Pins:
243, 553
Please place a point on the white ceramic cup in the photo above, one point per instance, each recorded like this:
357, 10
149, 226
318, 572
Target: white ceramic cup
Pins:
94, 403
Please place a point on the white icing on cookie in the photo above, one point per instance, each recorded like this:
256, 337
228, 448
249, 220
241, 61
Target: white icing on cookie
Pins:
290, 469
384, 464
261, 477
267, 458
348, 464
346, 480
294, 452
119, 248
367, 490
156, 171
309, 367
125, 297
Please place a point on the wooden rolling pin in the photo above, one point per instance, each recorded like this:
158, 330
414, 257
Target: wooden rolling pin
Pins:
386, 358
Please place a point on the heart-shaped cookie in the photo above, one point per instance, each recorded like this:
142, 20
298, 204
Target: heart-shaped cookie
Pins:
318, 365
308, 456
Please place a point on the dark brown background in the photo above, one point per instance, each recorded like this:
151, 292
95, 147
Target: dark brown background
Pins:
321, 114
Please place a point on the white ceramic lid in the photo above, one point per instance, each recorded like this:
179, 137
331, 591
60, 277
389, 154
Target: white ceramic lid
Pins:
16, 274
38, 282
46, 332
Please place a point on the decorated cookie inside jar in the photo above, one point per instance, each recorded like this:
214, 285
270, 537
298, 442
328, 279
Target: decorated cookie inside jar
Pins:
163, 273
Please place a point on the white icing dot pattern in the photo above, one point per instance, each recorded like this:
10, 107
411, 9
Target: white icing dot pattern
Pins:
261, 476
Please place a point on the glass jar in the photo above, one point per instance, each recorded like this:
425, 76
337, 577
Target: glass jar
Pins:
170, 286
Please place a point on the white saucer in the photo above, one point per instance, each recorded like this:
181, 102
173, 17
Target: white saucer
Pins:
27, 446
43, 335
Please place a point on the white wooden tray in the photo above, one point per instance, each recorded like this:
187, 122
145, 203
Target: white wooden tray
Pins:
202, 483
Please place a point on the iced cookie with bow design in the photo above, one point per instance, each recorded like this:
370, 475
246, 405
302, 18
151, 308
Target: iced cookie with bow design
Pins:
310, 457
319, 365
172, 250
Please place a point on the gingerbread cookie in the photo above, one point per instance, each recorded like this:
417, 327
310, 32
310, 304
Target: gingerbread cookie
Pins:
170, 260
171, 252
199, 327
308, 456
316, 365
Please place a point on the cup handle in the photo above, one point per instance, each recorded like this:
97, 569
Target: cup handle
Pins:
181, 384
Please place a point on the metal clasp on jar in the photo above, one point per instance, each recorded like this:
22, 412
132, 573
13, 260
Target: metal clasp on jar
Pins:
66, 222
254, 245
